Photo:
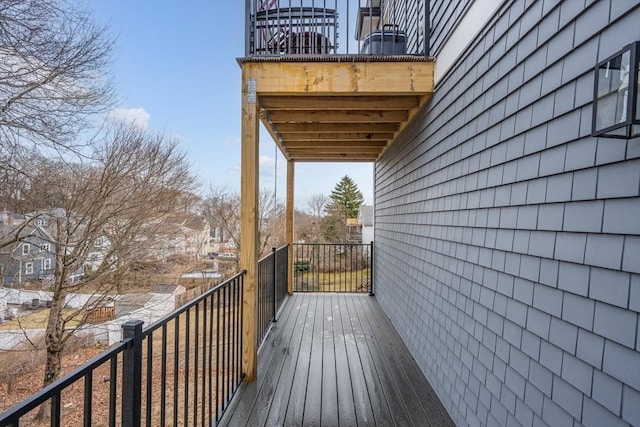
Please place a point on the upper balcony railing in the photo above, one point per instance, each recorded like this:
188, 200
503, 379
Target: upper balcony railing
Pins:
337, 27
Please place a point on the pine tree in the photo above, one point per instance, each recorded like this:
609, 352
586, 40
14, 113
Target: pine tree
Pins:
347, 196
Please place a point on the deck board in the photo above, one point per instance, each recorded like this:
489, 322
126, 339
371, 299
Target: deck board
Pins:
335, 359
329, 404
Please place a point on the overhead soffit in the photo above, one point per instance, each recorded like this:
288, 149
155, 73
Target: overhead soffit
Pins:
338, 108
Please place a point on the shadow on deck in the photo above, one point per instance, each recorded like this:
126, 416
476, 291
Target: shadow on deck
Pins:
335, 359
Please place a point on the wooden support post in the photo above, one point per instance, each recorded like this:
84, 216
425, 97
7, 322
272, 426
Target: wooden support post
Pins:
289, 222
249, 222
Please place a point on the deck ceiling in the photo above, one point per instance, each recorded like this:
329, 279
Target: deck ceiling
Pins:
344, 109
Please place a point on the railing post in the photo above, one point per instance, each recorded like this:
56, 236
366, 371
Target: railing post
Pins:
248, 28
371, 281
132, 374
275, 281
427, 27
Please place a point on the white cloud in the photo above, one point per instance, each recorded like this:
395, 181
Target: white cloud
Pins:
267, 162
136, 116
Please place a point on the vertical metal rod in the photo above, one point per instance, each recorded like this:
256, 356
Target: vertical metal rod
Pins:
163, 377
236, 323
176, 369
212, 369
427, 28
249, 32
88, 398
228, 340
196, 355
113, 384
204, 362
187, 333
149, 390
240, 283
218, 364
275, 277
371, 281
225, 346
56, 413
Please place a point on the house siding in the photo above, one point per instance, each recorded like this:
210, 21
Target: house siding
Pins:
445, 17
507, 238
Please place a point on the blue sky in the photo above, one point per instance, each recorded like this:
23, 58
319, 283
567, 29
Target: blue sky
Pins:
176, 71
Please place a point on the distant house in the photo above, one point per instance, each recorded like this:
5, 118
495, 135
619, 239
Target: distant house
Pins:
360, 229
33, 257
186, 234
365, 217
30, 259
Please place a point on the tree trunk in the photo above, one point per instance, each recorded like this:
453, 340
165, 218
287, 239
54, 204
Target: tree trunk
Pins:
54, 343
54, 334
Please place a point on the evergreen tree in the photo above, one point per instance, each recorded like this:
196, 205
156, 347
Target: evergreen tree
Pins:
347, 197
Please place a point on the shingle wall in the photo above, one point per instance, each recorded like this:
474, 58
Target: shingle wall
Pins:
445, 16
507, 238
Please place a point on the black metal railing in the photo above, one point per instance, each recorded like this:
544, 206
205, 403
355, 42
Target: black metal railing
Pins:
334, 27
182, 370
272, 288
344, 267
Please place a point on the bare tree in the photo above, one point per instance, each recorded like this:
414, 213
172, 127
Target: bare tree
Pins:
317, 203
222, 207
54, 64
108, 215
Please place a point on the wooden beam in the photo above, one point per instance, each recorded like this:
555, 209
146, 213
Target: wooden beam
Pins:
423, 100
340, 78
339, 102
289, 223
333, 143
335, 150
328, 136
249, 226
285, 128
349, 116
336, 158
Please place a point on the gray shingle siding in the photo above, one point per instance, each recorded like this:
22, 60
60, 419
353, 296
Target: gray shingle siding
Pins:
445, 16
507, 238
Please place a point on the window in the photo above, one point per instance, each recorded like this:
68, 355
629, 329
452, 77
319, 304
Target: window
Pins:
26, 248
615, 106
46, 263
45, 247
28, 268
41, 222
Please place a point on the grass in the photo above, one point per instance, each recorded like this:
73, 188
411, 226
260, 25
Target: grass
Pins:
38, 320
342, 281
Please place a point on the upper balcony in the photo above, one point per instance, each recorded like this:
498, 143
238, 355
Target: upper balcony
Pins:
336, 80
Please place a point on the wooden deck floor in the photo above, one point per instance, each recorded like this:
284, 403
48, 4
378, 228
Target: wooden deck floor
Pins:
335, 360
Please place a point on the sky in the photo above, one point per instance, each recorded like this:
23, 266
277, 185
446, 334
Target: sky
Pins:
175, 71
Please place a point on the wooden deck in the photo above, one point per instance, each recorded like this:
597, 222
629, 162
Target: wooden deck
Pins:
335, 360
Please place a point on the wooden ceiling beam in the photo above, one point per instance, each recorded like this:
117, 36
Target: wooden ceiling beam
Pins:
339, 102
338, 117
336, 158
334, 143
286, 128
335, 149
321, 136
